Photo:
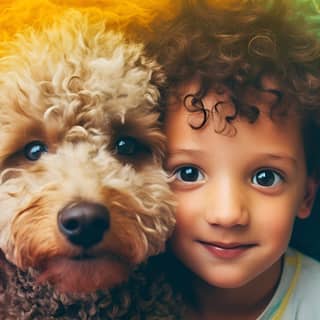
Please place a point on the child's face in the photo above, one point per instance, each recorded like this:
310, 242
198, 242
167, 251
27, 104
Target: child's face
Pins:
238, 195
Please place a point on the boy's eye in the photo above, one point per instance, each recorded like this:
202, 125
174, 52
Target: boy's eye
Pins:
188, 174
266, 178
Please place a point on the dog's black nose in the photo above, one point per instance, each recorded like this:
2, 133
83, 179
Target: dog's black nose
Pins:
84, 224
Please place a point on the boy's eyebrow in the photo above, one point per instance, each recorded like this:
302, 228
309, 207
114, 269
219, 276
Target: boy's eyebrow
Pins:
267, 156
280, 157
185, 151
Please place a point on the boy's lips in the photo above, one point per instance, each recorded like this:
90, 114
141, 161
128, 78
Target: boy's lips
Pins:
227, 250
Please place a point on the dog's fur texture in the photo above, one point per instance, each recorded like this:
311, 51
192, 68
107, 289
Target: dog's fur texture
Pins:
80, 129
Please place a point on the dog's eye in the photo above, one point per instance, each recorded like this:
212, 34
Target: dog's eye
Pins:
128, 146
34, 149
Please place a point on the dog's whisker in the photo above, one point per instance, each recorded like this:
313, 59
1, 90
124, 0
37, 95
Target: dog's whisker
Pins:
144, 226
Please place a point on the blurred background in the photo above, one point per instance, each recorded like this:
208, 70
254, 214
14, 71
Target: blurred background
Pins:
306, 234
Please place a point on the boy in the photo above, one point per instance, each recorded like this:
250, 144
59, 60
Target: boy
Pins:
242, 119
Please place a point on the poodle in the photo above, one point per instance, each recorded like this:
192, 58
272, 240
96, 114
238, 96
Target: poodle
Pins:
84, 200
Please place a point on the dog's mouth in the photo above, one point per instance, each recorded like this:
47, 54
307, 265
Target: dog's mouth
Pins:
84, 257
84, 273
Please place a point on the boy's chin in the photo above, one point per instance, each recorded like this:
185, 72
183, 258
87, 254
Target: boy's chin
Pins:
83, 276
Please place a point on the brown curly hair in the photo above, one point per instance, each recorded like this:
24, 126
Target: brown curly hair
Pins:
234, 46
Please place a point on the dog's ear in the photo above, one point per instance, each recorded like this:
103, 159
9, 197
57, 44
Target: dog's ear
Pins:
4, 265
158, 77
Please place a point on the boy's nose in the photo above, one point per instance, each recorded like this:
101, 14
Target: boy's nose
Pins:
227, 207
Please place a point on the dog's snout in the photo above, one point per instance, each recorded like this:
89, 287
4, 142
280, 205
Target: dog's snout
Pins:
84, 224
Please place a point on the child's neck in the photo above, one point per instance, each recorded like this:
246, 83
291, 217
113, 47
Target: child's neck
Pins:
248, 302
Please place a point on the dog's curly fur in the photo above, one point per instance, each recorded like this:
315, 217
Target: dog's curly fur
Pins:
79, 129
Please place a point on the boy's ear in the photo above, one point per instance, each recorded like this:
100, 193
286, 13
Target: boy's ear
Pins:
310, 194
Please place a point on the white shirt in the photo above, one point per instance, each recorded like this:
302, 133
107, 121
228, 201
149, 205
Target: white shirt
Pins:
298, 294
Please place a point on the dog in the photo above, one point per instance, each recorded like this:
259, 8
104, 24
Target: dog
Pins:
83, 197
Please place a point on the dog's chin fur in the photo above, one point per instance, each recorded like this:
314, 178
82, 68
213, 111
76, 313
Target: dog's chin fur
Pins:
83, 275
143, 296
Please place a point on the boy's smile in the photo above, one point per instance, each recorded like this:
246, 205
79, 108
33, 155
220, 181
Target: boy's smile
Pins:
238, 194
226, 250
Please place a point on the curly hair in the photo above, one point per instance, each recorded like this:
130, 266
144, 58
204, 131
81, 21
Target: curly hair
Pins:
233, 46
